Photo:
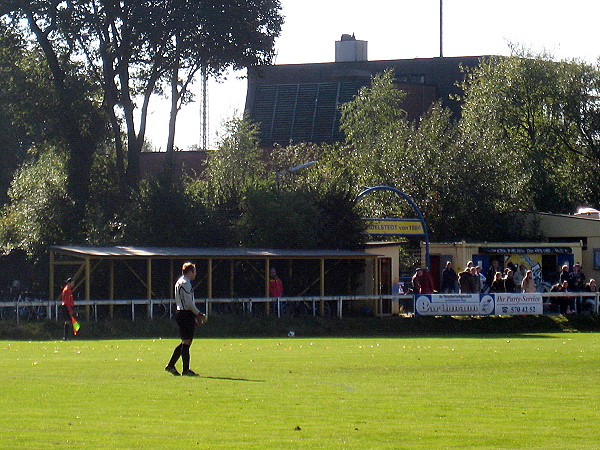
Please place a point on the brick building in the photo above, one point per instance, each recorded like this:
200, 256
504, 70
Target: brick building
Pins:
301, 102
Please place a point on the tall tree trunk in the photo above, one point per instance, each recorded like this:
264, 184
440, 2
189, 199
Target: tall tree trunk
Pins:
174, 109
80, 151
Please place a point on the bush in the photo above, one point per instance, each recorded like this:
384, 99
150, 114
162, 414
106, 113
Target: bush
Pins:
39, 210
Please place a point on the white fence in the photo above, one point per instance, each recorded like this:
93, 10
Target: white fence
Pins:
332, 306
294, 306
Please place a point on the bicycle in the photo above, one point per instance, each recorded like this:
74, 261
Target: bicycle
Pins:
304, 308
228, 308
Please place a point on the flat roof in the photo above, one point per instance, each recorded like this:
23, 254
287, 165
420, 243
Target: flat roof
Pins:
127, 252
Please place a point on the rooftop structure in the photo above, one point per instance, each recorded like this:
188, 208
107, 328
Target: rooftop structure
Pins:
301, 102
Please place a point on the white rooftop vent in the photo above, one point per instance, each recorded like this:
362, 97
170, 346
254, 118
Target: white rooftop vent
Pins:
588, 212
348, 48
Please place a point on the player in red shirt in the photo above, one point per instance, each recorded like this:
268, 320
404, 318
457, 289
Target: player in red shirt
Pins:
67, 305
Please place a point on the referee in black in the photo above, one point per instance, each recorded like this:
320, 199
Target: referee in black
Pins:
187, 317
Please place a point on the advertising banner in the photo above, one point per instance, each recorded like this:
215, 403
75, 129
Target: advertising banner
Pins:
478, 304
454, 305
518, 304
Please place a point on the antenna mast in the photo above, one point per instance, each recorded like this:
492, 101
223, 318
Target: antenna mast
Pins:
204, 109
441, 29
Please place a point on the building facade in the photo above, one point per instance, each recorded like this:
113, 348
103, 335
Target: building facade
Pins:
295, 103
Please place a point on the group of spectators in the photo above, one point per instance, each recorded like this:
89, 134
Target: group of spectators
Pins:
573, 281
472, 280
510, 279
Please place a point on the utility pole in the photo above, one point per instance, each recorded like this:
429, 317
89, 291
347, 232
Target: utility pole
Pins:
441, 29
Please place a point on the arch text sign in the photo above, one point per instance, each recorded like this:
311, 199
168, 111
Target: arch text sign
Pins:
394, 227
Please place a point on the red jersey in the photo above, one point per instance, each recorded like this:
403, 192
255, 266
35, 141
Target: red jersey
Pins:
67, 297
275, 287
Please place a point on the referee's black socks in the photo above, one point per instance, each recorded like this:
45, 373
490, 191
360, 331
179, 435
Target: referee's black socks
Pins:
176, 355
185, 357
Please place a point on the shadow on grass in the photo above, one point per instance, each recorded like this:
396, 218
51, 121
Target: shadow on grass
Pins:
233, 379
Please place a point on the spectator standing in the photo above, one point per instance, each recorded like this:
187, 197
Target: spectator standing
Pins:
475, 281
509, 282
576, 284
275, 284
464, 281
528, 283
449, 279
589, 303
492, 271
564, 274
561, 304
519, 275
422, 282
497, 283
483, 286
416, 281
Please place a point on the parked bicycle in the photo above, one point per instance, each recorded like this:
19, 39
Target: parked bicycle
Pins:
304, 308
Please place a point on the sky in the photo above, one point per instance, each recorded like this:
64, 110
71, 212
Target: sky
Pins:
397, 29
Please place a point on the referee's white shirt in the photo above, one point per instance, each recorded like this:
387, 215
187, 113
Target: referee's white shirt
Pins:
184, 295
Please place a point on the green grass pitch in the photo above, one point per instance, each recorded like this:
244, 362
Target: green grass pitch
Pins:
525, 391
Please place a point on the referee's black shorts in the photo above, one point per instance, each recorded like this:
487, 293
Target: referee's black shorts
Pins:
187, 324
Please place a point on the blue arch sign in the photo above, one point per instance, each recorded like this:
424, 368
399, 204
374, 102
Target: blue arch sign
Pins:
400, 227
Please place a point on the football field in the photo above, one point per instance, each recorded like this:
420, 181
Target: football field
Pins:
518, 391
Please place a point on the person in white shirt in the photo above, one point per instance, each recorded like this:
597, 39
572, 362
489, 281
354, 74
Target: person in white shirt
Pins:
188, 315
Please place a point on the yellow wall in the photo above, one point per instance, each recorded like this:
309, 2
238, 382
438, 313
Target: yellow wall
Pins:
561, 226
462, 252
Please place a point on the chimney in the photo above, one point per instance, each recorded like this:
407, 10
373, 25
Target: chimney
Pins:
348, 48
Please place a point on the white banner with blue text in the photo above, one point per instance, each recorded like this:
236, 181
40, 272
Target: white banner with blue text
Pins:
499, 304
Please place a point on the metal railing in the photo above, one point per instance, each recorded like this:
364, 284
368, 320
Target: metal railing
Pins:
332, 306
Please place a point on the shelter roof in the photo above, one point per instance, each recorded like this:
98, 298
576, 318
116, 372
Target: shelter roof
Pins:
126, 252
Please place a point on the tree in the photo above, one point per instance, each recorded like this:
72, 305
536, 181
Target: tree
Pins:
162, 214
81, 126
31, 113
374, 124
459, 187
14, 127
544, 116
302, 218
40, 206
237, 164
212, 36
132, 47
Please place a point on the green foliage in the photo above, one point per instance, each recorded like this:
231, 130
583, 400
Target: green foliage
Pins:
160, 214
287, 220
374, 113
135, 49
543, 115
458, 187
40, 208
27, 106
299, 219
236, 165
104, 221
43, 108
